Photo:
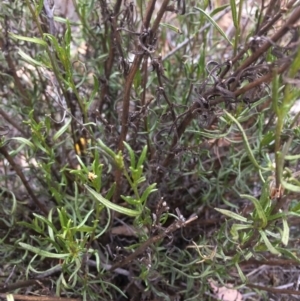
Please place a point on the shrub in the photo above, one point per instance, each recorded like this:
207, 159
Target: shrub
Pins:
148, 148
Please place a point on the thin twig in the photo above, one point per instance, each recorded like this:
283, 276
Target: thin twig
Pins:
6, 288
274, 290
152, 240
15, 166
13, 122
188, 40
38, 298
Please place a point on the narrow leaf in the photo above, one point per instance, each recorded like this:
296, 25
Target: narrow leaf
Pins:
237, 227
43, 253
106, 149
30, 60
142, 156
291, 157
28, 39
268, 243
234, 13
171, 27
286, 232
212, 21
147, 192
111, 205
62, 130
288, 254
290, 187
87, 215
46, 221
218, 9
259, 210
95, 89
241, 274
25, 141
246, 143
131, 154
232, 215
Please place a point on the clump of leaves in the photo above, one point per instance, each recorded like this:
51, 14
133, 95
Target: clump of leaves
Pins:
133, 132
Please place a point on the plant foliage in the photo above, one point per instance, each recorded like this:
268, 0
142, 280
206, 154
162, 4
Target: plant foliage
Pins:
148, 147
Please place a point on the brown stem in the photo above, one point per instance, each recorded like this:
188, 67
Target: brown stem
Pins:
13, 122
21, 284
15, 166
160, 14
274, 290
261, 32
271, 262
117, 7
38, 298
135, 65
268, 13
149, 12
18, 83
126, 98
144, 104
97, 104
269, 25
279, 34
189, 113
152, 240
264, 79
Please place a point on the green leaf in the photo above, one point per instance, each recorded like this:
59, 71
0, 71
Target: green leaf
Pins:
218, 9
95, 89
62, 130
61, 52
240, 272
130, 200
39, 7
42, 252
111, 191
232, 215
234, 14
142, 156
171, 27
259, 210
267, 139
102, 57
63, 218
264, 199
147, 192
32, 226
87, 215
106, 149
51, 227
131, 154
87, 229
289, 186
28, 39
111, 205
292, 157
68, 39
212, 21
237, 227
46, 221
30, 60
268, 243
246, 143
25, 141
286, 232
288, 253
